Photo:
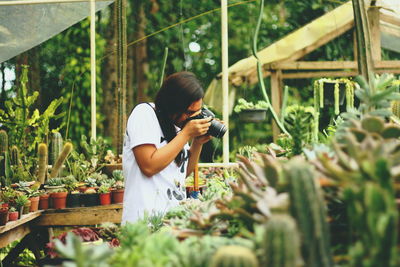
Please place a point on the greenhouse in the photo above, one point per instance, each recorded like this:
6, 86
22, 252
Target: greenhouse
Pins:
200, 133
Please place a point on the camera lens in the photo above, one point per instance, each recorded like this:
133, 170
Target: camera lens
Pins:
216, 129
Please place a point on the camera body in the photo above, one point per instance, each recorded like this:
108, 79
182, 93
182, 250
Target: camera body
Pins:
217, 129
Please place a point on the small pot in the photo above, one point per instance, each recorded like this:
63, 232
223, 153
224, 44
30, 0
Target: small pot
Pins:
59, 200
13, 216
105, 199
3, 216
44, 202
73, 200
27, 207
90, 200
4, 205
34, 204
253, 115
117, 195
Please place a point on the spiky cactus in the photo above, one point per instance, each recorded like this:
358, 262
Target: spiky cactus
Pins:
234, 256
308, 208
281, 242
42, 154
60, 160
56, 147
14, 156
396, 108
3, 141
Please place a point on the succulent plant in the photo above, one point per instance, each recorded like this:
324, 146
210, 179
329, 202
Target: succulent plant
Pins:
14, 156
234, 256
42, 153
60, 160
308, 208
56, 147
3, 141
281, 242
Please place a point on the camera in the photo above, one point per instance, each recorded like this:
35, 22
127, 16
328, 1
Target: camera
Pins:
216, 129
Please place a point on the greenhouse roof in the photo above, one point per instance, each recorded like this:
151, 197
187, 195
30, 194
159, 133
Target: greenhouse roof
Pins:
306, 39
23, 26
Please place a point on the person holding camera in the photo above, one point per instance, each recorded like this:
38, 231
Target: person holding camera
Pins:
156, 154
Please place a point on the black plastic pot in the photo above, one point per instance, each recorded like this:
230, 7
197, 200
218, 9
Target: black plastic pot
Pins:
89, 200
253, 115
73, 200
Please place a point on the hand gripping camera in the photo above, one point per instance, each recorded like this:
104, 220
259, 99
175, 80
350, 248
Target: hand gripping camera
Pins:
217, 129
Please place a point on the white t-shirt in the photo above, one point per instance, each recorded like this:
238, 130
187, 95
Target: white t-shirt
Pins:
164, 190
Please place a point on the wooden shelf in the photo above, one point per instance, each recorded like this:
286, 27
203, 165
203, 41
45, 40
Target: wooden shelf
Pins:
81, 216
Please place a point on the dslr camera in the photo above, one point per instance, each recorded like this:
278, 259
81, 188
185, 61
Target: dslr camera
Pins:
216, 129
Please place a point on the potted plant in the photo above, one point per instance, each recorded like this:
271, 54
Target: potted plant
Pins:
117, 191
33, 196
44, 200
250, 112
12, 214
73, 197
53, 184
90, 198
104, 194
8, 195
59, 198
3, 215
21, 201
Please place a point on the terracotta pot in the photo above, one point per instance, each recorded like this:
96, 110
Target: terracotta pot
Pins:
59, 200
105, 199
26, 207
117, 195
3, 216
44, 202
4, 205
13, 216
34, 204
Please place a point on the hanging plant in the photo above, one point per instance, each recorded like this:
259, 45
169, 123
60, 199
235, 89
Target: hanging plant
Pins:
342, 89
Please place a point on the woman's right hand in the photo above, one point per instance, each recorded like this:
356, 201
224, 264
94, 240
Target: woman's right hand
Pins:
199, 127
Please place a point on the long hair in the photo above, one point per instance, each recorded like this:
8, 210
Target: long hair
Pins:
176, 94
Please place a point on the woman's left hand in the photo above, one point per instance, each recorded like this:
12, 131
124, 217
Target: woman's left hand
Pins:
202, 139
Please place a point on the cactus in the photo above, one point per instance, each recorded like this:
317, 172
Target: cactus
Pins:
308, 208
396, 108
60, 160
56, 147
6, 173
14, 157
234, 256
42, 154
281, 242
3, 141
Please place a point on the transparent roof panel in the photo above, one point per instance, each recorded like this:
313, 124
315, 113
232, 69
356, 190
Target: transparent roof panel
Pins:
25, 26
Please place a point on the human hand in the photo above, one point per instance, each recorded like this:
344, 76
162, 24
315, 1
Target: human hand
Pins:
202, 139
198, 127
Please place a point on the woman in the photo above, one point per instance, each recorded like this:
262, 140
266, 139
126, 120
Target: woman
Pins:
156, 154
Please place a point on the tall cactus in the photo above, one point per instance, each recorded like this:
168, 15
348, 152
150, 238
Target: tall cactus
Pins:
60, 160
42, 154
234, 256
308, 208
56, 145
3, 141
281, 242
14, 156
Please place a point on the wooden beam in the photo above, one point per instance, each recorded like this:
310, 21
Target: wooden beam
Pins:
17, 233
324, 40
387, 64
24, 219
319, 74
373, 18
276, 99
81, 216
313, 65
389, 19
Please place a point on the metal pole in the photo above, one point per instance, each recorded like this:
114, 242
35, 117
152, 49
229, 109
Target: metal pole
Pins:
93, 66
225, 85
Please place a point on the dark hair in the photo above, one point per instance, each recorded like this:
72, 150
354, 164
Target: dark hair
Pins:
176, 94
